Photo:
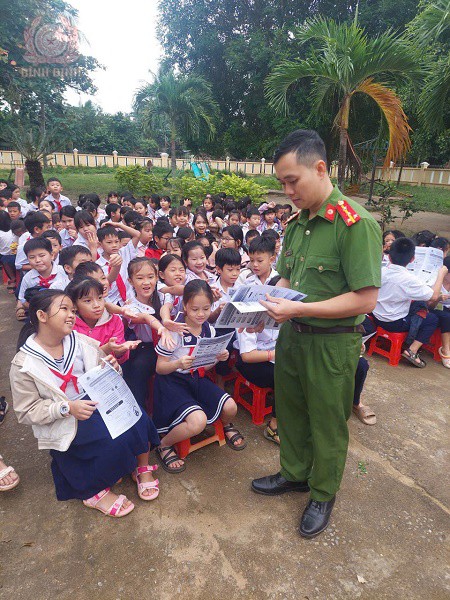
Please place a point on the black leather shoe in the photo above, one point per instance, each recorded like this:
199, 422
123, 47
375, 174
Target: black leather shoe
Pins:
316, 517
273, 485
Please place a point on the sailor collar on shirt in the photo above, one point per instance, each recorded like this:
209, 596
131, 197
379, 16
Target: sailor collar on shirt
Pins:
70, 349
189, 340
145, 308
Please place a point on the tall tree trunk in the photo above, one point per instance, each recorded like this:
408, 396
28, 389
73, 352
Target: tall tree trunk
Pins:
42, 128
343, 139
34, 170
173, 155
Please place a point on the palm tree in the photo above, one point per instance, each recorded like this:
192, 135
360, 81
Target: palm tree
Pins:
431, 29
34, 145
183, 102
342, 62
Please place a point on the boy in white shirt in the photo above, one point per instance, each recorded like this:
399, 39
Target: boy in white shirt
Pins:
55, 188
262, 254
44, 271
398, 288
109, 242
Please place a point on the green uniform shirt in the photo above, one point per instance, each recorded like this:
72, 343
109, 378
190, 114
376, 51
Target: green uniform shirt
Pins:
324, 258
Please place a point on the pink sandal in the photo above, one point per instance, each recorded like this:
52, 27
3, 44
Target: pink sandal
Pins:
148, 485
116, 510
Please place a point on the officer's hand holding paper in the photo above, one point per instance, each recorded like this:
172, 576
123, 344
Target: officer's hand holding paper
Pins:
246, 309
115, 402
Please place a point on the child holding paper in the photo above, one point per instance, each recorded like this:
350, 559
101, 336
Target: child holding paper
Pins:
44, 383
184, 400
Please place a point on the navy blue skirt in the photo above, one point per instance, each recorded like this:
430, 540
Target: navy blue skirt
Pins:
178, 394
94, 461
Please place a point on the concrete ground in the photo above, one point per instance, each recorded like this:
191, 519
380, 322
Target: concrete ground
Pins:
209, 536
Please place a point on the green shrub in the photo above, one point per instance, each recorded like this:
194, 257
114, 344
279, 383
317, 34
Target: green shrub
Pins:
138, 180
232, 185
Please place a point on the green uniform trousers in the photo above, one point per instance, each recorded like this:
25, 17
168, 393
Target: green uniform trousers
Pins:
314, 383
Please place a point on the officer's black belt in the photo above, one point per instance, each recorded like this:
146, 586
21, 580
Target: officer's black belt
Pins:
302, 328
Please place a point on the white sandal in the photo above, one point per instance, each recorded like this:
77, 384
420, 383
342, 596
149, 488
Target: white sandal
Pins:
5, 473
444, 358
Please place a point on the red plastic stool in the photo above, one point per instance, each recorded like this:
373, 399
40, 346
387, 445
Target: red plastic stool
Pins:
212, 374
396, 341
186, 446
257, 408
434, 344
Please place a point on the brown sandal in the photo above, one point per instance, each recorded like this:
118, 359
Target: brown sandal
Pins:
365, 415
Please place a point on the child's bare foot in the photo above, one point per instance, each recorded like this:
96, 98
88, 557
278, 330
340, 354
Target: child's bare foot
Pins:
8, 477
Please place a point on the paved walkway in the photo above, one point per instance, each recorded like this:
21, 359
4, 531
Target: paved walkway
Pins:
209, 536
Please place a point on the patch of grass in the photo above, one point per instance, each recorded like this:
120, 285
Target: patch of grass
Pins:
268, 181
431, 199
362, 469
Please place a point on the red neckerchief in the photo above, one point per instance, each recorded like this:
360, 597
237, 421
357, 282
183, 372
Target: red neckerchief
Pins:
120, 284
66, 379
45, 281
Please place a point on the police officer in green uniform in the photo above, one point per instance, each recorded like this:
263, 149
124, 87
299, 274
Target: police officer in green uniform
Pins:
331, 252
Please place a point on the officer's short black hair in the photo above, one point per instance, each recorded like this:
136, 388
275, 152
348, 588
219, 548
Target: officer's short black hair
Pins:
402, 251
227, 256
306, 144
262, 244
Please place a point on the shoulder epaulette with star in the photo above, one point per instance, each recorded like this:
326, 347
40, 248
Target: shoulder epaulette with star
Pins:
293, 217
347, 212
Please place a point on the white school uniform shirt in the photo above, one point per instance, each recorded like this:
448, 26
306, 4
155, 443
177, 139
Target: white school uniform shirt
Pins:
263, 226
398, 288
249, 278
142, 330
127, 253
160, 213
445, 303
141, 248
265, 340
66, 240
21, 257
212, 279
6, 239
151, 213
184, 344
82, 241
32, 277
225, 297
63, 201
24, 207
175, 301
